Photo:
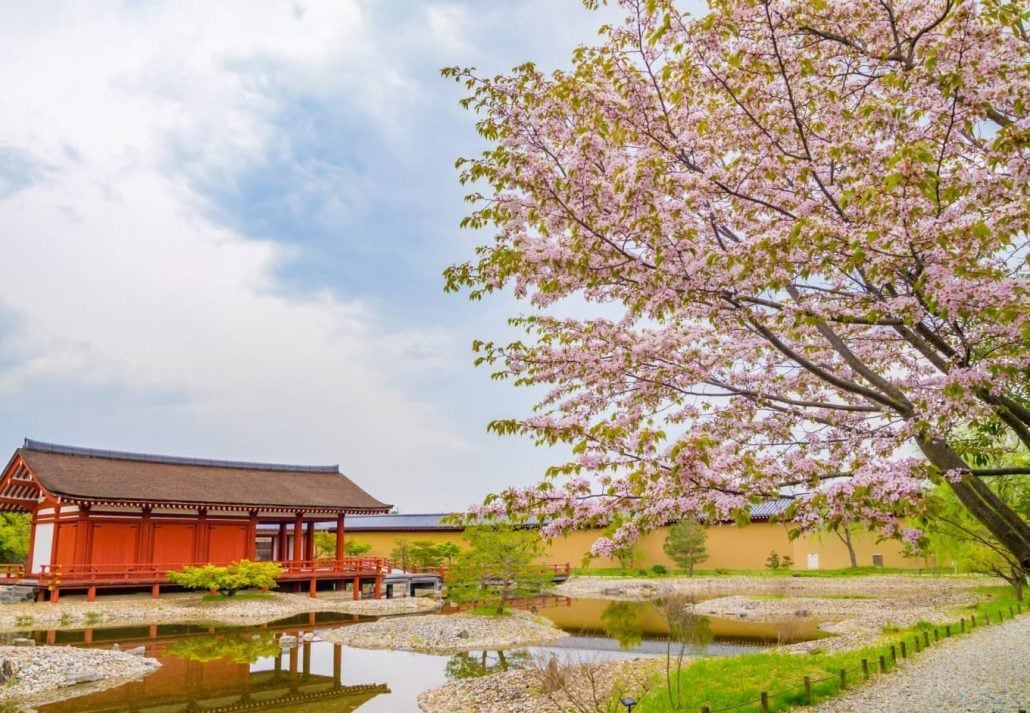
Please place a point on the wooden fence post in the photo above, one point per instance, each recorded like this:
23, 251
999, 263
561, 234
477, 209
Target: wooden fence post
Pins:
883, 664
987, 618
972, 621
947, 630
808, 690
706, 709
894, 655
936, 635
917, 644
865, 669
926, 639
962, 625
843, 679
765, 702
904, 653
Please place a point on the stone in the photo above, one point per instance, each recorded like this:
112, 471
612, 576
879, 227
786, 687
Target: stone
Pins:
23, 642
137, 651
8, 670
116, 647
72, 679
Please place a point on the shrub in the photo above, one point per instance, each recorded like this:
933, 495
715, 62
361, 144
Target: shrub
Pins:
659, 569
229, 579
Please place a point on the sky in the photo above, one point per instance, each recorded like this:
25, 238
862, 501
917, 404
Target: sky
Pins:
223, 227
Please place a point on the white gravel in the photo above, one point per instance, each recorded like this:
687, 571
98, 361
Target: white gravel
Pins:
448, 633
45, 673
987, 671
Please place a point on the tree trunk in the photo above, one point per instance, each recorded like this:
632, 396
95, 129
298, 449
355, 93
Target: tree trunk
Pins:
1002, 521
846, 539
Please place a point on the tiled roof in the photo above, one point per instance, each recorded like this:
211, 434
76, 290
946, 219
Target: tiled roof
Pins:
408, 523
81, 474
427, 522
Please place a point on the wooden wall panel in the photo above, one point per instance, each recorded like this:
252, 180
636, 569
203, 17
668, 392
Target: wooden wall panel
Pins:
227, 543
66, 544
114, 543
173, 543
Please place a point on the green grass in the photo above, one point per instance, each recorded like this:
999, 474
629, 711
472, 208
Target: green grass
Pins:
735, 681
242, 596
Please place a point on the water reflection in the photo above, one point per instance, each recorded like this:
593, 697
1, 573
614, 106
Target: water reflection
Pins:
213, 668
469, 664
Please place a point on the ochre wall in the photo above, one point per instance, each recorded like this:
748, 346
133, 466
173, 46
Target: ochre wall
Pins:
384, 542
729, 547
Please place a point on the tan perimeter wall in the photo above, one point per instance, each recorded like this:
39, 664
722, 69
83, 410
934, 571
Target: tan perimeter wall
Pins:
729, 547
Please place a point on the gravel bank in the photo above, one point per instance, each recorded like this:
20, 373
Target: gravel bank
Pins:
571, 686
642, 589
982, 672
76, 612
862, 606
448, 633
46, 673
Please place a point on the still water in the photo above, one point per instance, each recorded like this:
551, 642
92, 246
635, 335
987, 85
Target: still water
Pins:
234, 669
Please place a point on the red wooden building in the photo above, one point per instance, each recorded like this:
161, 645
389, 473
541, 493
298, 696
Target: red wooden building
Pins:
105, 519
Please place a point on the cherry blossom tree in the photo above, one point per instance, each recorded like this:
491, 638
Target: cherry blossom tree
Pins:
809, 220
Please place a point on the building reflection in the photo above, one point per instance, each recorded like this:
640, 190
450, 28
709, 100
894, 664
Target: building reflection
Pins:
223, 672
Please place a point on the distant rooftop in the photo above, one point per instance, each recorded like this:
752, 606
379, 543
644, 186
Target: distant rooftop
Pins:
174, 460
88, 475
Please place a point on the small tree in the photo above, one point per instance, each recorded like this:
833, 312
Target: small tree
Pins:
230, 579
685, 544
401, 553
448, 550
498, 566
425, 554
355, 548
773, 561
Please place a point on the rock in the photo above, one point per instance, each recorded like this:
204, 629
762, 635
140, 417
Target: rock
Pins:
116, 647
8, 670
23, 642
137, 651
72, 679
462, 634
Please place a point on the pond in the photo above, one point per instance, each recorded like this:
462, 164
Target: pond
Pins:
243, 668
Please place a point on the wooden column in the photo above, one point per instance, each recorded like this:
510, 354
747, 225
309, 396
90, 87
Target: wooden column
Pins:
200, 546
298, 538
144, 538
57, 536
282, 554
309, 541
252, 524
337, 664
340, 549
82, 536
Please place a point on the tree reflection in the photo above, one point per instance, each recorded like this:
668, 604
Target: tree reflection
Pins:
468, 664
238, 647
623, 621
686, 629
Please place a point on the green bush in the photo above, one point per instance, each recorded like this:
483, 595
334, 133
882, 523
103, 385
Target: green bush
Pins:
659, 569
229, 579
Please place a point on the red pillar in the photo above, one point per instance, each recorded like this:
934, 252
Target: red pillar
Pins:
312, 588
252, 524
282, 554
82, 536
298, 538
357, 587
57, 535
339, 537
309, 542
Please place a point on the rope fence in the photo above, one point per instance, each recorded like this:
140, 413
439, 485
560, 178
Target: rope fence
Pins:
888, 661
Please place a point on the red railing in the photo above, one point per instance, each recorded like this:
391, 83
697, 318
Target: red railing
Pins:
559, 569
79, 574
12, 571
